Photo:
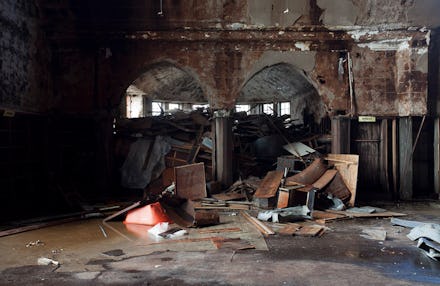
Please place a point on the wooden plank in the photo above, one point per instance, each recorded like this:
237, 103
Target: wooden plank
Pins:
229, 196
283, 199
366, 215
264, 229
325, 179
327, 216
220, 230
289, 229
309, 230
349, 172
269, 186
190, 181
309, 175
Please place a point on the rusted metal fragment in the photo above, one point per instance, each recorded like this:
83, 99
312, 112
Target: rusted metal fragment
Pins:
310, 174
325, 179
269, 186
190, 181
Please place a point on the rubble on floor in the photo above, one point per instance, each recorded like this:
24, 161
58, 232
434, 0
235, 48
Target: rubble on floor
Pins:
426, 234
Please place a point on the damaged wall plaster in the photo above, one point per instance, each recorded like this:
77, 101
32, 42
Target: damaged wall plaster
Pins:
338, 13
24, 57
281, 13
425, 13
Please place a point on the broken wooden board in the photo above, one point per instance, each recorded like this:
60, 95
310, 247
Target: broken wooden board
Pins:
327, 216
366, 215
310, 230
220, 230
231, 243
269, 186
325, 179
190, 181
347, 165
309, 175
229, 196
289, 229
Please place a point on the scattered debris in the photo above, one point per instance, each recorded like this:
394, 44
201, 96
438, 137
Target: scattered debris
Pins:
286, 214
35, 243
159, 228
114, 252
374, 234
47, 261
426, 230
103, 231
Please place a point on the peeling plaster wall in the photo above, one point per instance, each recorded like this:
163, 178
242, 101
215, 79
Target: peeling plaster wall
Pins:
25, 82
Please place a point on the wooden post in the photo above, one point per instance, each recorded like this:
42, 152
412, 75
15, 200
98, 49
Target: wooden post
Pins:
341, 135
405, 158
437, 156
223, 147
384, 155
394, 158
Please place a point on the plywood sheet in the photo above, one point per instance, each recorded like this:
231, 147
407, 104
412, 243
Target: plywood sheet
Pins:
347, 165
269, 186
190, 181
298, 149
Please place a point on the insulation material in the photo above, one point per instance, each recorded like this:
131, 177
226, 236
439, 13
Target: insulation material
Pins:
144, 162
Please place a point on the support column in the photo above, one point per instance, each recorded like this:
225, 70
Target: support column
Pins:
223, 147
341, 135
437, 156
405, 158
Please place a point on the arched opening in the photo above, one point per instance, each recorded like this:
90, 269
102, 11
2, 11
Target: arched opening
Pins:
163, 124
284, 107
162, 88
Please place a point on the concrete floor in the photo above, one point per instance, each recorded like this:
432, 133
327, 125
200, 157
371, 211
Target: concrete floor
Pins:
340, 257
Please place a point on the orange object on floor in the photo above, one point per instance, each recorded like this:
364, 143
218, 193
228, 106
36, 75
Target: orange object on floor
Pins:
149, 215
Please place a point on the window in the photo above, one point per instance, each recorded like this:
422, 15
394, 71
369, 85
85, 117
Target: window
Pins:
201, 106
242, 107
134, 106
157, 108
268, 108
173, 106
284, 108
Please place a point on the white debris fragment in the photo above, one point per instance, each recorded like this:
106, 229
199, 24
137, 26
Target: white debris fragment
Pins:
34, 243
286, 11
159, 228
357, 34
47, 261
302, 46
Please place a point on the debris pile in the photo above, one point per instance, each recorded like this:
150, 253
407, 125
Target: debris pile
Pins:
426, 234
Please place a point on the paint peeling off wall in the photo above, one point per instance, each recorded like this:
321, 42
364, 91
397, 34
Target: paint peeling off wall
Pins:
387, 45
